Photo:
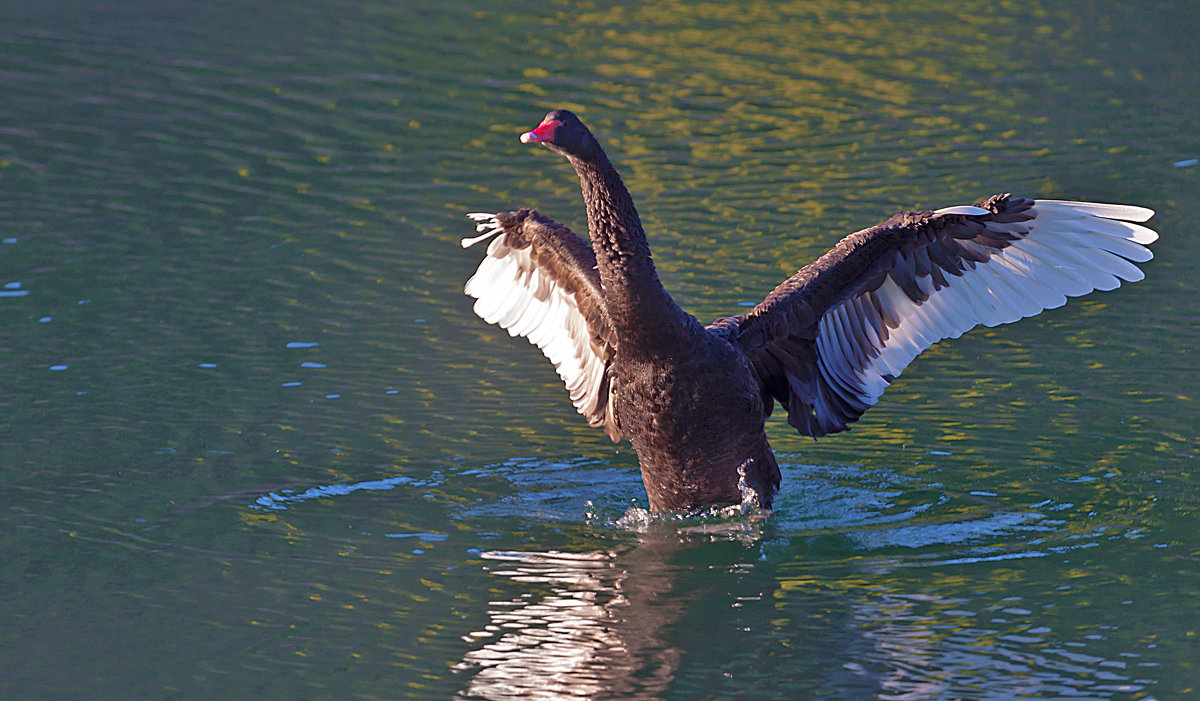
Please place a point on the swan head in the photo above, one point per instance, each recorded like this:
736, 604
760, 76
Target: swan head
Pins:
562, 132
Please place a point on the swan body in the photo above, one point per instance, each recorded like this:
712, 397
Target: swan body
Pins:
692, 399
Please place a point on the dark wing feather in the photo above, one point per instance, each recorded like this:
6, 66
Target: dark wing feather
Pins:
828, 341
539, 281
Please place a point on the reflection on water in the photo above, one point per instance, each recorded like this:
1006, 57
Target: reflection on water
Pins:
594, 632
607, 624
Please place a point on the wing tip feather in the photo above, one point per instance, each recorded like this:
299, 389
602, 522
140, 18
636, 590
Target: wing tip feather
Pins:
1104, 210
486, 224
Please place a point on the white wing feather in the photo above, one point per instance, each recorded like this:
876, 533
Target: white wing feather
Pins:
1068, 249
511, 292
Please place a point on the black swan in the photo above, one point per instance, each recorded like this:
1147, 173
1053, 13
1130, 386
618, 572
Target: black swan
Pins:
825, 343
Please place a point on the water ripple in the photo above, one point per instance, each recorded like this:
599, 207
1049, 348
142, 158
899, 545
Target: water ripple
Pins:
286, 498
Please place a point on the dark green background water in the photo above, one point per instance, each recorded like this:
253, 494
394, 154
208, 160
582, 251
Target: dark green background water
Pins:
255, 444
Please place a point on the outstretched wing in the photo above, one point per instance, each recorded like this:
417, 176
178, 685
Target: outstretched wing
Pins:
828, 341
539, 281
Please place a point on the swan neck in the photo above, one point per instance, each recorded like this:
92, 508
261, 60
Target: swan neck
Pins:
632, 291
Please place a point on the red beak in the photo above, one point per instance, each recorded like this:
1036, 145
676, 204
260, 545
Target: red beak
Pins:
543, 132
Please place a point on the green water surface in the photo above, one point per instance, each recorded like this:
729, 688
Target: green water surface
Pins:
254, 444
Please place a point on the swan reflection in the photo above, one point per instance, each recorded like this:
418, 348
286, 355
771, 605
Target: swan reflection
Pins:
693, 612
594, 633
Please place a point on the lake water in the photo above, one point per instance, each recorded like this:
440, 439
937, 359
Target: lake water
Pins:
254, 444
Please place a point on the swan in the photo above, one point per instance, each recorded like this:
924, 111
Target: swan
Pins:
824, 344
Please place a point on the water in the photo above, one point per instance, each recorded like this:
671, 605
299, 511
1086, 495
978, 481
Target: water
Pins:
254, 443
